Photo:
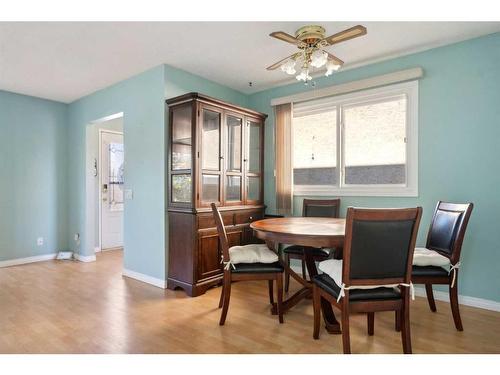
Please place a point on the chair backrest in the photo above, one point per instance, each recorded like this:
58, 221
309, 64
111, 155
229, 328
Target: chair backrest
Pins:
222, 233
379, 245
321, 208
447, 229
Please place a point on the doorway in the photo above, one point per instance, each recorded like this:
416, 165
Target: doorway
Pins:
111, 184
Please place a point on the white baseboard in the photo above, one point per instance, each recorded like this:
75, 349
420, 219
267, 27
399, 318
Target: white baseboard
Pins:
145, 278
84, 258
480, 303
97, 249
37, 258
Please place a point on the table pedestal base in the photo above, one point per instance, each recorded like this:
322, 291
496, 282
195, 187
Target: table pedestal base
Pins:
331, 324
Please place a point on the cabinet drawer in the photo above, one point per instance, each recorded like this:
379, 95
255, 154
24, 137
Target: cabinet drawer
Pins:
246, 217
207, 220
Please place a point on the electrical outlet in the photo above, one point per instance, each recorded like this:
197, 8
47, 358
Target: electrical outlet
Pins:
77, 237
39, 241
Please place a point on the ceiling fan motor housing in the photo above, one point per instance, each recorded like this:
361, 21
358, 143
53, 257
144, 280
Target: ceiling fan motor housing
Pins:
310, 34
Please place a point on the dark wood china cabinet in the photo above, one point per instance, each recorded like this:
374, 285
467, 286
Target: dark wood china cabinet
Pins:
216, 154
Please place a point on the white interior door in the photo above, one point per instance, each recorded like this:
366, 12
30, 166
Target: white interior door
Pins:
112, 157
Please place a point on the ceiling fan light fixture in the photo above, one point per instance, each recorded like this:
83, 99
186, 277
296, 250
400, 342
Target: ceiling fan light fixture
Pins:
318, 58
311, 41
331, 66
289, 67
304, 75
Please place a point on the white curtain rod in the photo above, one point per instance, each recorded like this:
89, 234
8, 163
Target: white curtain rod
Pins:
343, 88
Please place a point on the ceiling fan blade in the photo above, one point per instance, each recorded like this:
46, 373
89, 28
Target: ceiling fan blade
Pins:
334, 58
281, 62
347, 34
287, 38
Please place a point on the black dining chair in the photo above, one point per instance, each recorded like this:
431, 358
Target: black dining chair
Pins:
270, 270
375, 273
311, 208
444, 242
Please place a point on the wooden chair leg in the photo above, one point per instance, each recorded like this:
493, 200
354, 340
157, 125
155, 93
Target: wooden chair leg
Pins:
287, 274
371, 323
397, 319
346, 341
454, 306
303, 268
279, 306
317, 311
227, 296
430, 297
221, 300
271, 292
405, 323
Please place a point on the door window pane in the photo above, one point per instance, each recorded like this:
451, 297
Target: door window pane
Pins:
233, 188
315, 149
375, 146
210, 188
234, 143
116, 169
253, 188
210, 140
253, 147
181, 138
181, 188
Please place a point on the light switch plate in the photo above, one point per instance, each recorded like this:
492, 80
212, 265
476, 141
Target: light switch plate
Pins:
129, 194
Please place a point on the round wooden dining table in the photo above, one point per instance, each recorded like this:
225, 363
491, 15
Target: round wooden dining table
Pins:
310, 232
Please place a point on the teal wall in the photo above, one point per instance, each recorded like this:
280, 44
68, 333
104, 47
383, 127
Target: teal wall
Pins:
33, 179
459, 146
141, 99
178, 82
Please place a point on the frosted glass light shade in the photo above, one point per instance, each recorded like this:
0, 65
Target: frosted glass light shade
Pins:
289, 67
318, 58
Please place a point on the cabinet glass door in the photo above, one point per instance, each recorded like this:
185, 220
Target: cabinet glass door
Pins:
233, 188
210, 156
234, 138
181, 150
253, 161
181, 138
234, 159
210, 139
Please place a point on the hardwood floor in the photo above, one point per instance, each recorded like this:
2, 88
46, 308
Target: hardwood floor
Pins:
74, 307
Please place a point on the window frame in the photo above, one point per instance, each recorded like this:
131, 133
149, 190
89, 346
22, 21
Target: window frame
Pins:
372, 96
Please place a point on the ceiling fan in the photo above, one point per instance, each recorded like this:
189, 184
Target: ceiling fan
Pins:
311, 41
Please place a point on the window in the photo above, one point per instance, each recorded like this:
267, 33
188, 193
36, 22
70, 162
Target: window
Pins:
357, 144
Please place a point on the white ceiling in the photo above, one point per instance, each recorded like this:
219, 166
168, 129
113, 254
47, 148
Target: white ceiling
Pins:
65, 61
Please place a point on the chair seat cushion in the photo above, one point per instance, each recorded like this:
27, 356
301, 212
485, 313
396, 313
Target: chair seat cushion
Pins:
253, 253
299, 250
257, 268
326, 283
428, 271
333, 268
427, 257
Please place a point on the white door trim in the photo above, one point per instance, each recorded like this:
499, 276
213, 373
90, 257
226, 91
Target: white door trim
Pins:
99, 174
